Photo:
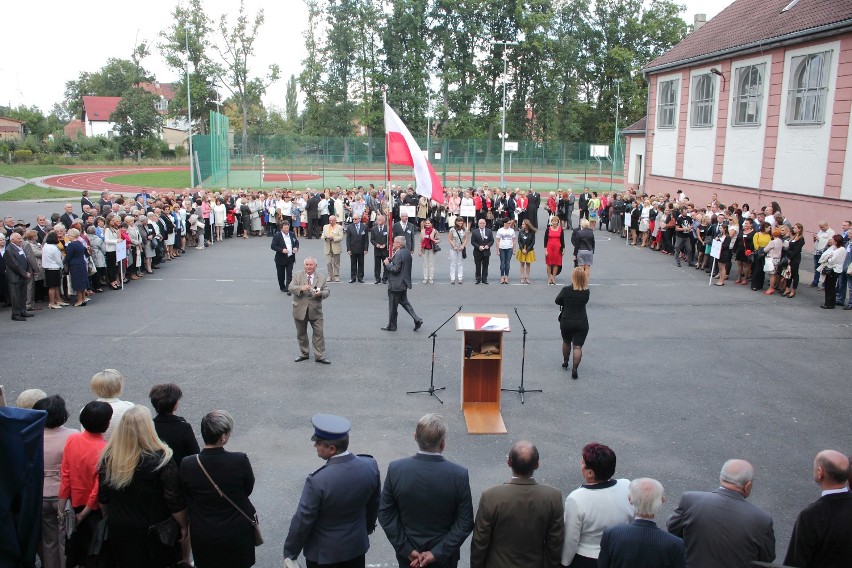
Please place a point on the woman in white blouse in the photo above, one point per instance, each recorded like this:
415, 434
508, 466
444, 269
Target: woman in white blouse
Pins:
220, 212
51, 261
112, 235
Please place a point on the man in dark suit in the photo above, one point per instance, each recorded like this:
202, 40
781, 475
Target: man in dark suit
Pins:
518, 523
481, 239
721, 528
86, 201
286, 245
357, 243
339, 503
533, 206
309, 289
17, 275
585, 197
641, 544
403, 228
379, 240
426, 509
68, 216
399, 281
822, 535
312, 210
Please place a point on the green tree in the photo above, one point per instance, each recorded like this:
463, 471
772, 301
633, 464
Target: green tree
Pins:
112, 80
291, 103
235, 51
407, 60
137, 121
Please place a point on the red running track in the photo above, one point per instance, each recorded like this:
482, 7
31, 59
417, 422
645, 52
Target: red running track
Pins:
97, 180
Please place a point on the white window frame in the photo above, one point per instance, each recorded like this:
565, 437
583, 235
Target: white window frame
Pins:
703, 100
748, 95
807, 94
667, 109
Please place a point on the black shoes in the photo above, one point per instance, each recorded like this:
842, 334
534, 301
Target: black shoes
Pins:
324, 361
574, 374
18, 318
827, 307
352, 281
418, 324
388, 328
301, 358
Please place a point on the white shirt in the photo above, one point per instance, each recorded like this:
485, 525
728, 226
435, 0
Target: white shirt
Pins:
288, 244
590, 510
506, 237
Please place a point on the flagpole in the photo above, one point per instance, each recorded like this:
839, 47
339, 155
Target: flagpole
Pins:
387, 179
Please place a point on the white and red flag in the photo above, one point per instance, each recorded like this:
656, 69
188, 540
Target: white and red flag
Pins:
403, 150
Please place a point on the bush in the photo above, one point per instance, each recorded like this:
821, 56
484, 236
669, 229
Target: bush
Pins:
45, 159
22, 155
180, 152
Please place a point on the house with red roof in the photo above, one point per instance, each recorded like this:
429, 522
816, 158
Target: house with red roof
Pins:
755, 107
11, 129
96, 113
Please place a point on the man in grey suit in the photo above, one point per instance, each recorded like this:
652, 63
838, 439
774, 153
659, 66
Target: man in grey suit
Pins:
339, 503
520, 522
426, 509
641, 544
309, 289
822, 535
17, 275
721, 528
399, 281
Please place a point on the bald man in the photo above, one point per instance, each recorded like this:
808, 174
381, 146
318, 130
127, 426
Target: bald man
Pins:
822, 535
721, 528
518, 523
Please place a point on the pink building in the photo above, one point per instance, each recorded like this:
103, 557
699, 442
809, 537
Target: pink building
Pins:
754, 106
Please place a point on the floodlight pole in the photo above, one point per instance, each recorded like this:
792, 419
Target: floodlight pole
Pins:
505, 44
428, 127
189, 109
615, 136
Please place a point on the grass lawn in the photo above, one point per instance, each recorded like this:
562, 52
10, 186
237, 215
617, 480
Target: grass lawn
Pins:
28, 171
166, 180
31, 191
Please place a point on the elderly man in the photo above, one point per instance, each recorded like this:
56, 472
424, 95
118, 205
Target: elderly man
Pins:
309, 289
403, 228
721, 528
822, 535
641, 544
68, 216
339, 503
518, 523
426, 509
17, 275
399, 281
332, 236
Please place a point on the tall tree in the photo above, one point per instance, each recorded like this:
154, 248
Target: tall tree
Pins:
137, 120
112, 80
291, 102
407, 59
236, 50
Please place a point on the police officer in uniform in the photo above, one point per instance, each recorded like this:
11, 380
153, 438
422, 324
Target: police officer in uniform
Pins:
339, 503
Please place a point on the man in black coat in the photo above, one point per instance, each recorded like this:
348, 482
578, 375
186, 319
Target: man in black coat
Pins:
585, 197
426, 509
403, 228
533, 206
399, 281
286, 245
68, 217
17, 275
822, 535
357, 243
379, 240
482, 239
312, 210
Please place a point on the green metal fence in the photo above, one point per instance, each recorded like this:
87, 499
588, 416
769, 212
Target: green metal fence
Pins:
299, 161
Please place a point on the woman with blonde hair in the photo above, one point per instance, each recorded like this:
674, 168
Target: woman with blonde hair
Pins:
573, 321
526, 252
554, 246
140, 495
107, 386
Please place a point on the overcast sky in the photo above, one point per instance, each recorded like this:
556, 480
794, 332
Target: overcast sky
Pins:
49, 43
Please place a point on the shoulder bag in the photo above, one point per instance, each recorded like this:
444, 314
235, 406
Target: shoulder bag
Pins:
258, 538
461, 240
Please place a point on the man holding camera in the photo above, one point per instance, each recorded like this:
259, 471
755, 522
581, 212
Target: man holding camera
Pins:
309, 289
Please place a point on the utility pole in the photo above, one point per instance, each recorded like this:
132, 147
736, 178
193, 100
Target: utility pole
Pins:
615, 136
189, 110
505, 45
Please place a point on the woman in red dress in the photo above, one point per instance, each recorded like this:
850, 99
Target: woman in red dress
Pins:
554, 245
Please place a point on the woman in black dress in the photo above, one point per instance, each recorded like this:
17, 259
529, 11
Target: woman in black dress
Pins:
794, 254
573, 322
75, 261
222, 536
140, 493
173, 430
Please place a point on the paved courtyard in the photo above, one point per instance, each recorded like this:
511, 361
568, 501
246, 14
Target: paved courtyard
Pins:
677, 376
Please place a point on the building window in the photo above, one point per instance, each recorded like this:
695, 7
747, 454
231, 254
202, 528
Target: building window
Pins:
702, 100
667, 104
808, 88
749, 95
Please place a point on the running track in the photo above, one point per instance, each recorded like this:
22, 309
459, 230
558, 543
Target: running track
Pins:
95, 181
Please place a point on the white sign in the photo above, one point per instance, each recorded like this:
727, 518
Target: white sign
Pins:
409, 210
467, 210
510, 146
120, 250
599, 151
437, 156
716, 249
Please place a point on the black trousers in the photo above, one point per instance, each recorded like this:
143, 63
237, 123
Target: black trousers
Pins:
380, 271
396, 299
830, 289
481, 262
285, 274
356, 262
18, 297
357, 562
314, 228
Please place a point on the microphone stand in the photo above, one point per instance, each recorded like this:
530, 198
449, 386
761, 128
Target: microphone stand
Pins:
432, 390
521, 390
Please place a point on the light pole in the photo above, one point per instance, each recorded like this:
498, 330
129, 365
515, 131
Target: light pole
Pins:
428, 127
505, 45
615, 136
189, 109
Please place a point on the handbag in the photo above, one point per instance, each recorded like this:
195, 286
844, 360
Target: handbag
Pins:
166, 532
258, 538
90, 263
436, 247
768, 265
464, 253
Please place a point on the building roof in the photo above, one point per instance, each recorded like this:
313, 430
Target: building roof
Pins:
755, 24
73, 128
99, 109
637, 127
165, 90
6, 118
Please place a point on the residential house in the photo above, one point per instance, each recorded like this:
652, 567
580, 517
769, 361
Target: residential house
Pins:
11, 129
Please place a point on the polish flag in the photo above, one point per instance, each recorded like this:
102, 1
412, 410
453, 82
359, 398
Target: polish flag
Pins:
403, 150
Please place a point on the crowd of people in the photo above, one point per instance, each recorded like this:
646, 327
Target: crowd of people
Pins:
129, 490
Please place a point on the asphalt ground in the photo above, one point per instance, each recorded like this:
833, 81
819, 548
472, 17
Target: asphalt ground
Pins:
677, 376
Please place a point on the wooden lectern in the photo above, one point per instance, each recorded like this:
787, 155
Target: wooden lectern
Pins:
482, 371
